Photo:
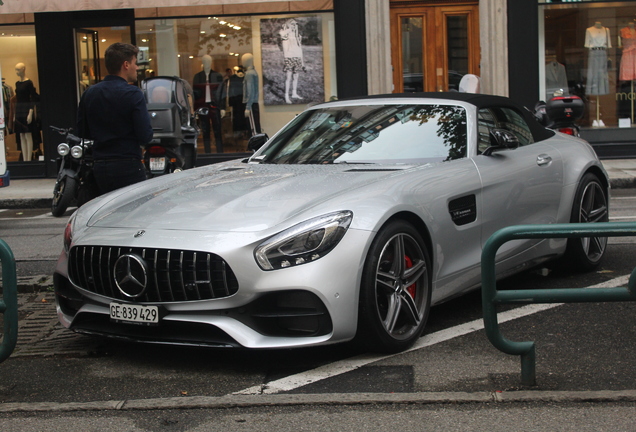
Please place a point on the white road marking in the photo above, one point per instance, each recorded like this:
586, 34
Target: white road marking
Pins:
337, 368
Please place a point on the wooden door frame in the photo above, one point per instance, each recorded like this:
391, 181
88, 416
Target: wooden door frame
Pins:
435, 64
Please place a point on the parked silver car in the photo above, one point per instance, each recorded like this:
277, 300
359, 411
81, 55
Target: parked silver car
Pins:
350, 222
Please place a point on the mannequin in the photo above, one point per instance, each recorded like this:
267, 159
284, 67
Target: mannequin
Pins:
230, 98
556, 80
627, 41
250, 93
597, 40
293, 54
205, 84
25, 111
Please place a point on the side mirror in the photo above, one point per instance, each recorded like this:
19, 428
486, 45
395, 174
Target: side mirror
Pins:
501, 139
257, 141
203, 111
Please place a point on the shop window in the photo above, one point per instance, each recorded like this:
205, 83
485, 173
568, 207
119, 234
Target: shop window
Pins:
20, 93
589, 50
254, 73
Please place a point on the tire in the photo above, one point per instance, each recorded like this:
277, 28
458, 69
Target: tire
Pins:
590, 205
395, 295
63, 194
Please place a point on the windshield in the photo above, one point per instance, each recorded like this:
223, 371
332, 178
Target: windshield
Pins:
158, 91
371, 134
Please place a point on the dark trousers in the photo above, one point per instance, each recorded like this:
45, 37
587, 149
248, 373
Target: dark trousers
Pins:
213, 119
112, 174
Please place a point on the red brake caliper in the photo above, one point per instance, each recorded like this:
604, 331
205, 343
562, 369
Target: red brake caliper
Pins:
412, 288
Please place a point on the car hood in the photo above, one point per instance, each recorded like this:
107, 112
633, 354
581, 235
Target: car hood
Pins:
238, 197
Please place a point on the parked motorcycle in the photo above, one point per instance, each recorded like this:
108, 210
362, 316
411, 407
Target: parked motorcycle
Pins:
561, 114
75, 181
174, 142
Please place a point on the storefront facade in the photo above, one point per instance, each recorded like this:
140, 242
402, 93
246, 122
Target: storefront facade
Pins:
58, 54
583, 48
351, 48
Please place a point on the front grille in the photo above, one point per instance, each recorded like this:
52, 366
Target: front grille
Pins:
173, 275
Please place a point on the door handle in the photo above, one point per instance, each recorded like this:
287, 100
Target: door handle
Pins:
543, 159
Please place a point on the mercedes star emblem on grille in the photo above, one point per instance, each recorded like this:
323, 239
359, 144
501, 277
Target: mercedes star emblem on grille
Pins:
131, 275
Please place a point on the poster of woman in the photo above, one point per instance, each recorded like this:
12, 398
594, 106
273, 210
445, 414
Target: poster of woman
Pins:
291, 49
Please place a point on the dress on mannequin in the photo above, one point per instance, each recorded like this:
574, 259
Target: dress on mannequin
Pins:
24, 122
597, 39
628, 59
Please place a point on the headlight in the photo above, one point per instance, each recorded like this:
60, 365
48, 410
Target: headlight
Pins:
76, 152
68, 233
303, 243
63, 149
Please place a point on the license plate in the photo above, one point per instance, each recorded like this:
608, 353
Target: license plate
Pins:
134, 313
157, 163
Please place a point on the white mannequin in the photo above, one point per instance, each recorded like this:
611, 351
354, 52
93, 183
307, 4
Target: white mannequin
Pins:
248, 63
206, 61
26, 138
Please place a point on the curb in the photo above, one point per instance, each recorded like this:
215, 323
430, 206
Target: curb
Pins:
331, 399
26, 203
623, 183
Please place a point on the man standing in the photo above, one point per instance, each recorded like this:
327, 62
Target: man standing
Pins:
113, 114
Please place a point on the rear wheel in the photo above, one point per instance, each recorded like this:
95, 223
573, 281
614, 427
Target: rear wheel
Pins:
590, 205
395, 294
63, 193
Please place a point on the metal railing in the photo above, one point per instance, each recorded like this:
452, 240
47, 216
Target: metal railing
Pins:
491, 297
9, 302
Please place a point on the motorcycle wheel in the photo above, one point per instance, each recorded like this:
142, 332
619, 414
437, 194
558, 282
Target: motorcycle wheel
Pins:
63, 194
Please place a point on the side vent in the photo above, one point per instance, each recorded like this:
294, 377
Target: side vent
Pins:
463, 210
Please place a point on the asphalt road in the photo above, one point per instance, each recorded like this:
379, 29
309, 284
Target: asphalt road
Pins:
581, 349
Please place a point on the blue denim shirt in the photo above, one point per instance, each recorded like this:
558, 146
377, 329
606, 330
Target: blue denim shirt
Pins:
113, 113
250, 88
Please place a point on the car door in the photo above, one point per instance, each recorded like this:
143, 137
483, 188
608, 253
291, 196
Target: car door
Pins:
519, 186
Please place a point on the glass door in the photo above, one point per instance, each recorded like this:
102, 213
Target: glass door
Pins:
433, 47
91, 43
88, 68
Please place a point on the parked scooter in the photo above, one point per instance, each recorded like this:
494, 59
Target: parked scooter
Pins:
173, 146
561, 113
75, 180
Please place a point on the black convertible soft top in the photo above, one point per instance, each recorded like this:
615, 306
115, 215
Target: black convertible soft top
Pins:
539, 132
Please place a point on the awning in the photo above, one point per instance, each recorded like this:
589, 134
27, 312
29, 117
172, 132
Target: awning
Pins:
31, 6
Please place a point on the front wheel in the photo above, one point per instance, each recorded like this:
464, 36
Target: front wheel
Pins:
590, 205
395, 293
63, 193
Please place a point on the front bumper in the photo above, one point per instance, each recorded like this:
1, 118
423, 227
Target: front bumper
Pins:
311, 304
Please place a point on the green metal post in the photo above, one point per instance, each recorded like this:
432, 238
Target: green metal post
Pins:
491, 297
9, 302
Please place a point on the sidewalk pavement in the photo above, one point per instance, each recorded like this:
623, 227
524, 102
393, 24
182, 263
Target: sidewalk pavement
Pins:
37, 193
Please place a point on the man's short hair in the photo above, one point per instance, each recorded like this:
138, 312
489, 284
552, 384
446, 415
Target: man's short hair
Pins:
117, 54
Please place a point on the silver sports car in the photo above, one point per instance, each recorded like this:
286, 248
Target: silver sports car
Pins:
350, 222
